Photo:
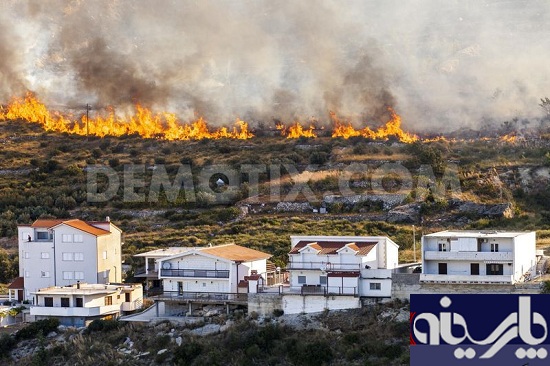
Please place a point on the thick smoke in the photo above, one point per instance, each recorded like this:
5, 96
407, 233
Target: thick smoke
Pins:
440, 64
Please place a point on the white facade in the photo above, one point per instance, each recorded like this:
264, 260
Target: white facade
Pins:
79, 304
342, 265
478, 256
62, 252
217, 269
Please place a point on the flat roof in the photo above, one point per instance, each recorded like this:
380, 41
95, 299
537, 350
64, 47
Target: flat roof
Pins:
478, 234
165, 252
86, 289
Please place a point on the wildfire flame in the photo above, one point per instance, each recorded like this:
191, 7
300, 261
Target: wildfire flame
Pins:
509, 138
296, 130
144, 123
391, 129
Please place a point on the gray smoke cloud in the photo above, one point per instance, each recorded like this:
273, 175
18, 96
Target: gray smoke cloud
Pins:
442, 65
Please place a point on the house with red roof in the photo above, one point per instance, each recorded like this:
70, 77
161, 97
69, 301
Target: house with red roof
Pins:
60, 252
342, 265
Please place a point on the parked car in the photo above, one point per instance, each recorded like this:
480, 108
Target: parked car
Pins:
417, 269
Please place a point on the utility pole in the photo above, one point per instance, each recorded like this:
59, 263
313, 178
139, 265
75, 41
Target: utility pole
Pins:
88, 108
414, 244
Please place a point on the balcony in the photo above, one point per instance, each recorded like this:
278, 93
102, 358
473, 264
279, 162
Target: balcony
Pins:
468, 256
194, 273
131, 306
141, 272
324, 266
441, 278
73, 311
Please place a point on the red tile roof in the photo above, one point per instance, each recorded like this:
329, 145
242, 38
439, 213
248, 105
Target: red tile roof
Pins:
331, 247
74, 223
17, 284
235, 253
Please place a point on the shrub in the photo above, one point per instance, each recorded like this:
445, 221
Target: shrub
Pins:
100, 325
186, 353
32, 330
7, 343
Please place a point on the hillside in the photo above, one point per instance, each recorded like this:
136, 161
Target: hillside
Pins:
377, 335
46, 174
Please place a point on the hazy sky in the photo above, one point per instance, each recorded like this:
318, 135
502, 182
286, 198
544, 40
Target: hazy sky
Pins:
441, 64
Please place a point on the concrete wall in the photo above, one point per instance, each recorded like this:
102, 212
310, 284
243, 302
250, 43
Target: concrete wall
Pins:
524, 254
404, 284
296, 304
264, 303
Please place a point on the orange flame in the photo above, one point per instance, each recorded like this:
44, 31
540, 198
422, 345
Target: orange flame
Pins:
391, 129
508, 138
296, 131
144, 123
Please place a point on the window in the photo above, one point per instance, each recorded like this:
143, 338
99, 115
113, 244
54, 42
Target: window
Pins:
79, 256
474, 269
45, 255
494, 247
108, 300
67, 256
44, 274
104, 254
78, 302
65, 302
442, 267
42, 235
302, 280
27, 255
48, 302
66, 238
127, 297
79, 275
67, 275
375, 285
323, 280
77, 238
495, 269
442, 247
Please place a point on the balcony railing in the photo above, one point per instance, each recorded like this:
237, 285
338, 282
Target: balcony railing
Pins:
451, 278
74, 311
469, 256
208, 297
324, 290
324, 266
201, 273
141, 272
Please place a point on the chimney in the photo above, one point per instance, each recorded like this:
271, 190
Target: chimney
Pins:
78, 285
108, 219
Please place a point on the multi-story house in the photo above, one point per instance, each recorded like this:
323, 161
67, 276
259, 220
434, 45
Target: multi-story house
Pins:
81, 303
61, 252
342, 265
212, 269
478, 256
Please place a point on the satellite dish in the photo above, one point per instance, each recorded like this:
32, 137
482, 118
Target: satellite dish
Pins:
166, 265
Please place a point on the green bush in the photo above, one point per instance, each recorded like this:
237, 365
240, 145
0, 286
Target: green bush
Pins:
100, 325
7, 342
32, 330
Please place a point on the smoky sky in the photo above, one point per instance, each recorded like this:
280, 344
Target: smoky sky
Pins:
440, 64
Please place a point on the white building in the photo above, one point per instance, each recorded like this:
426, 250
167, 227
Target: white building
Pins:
342, 265
478, 256
215, 269
61, 252
81, 303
